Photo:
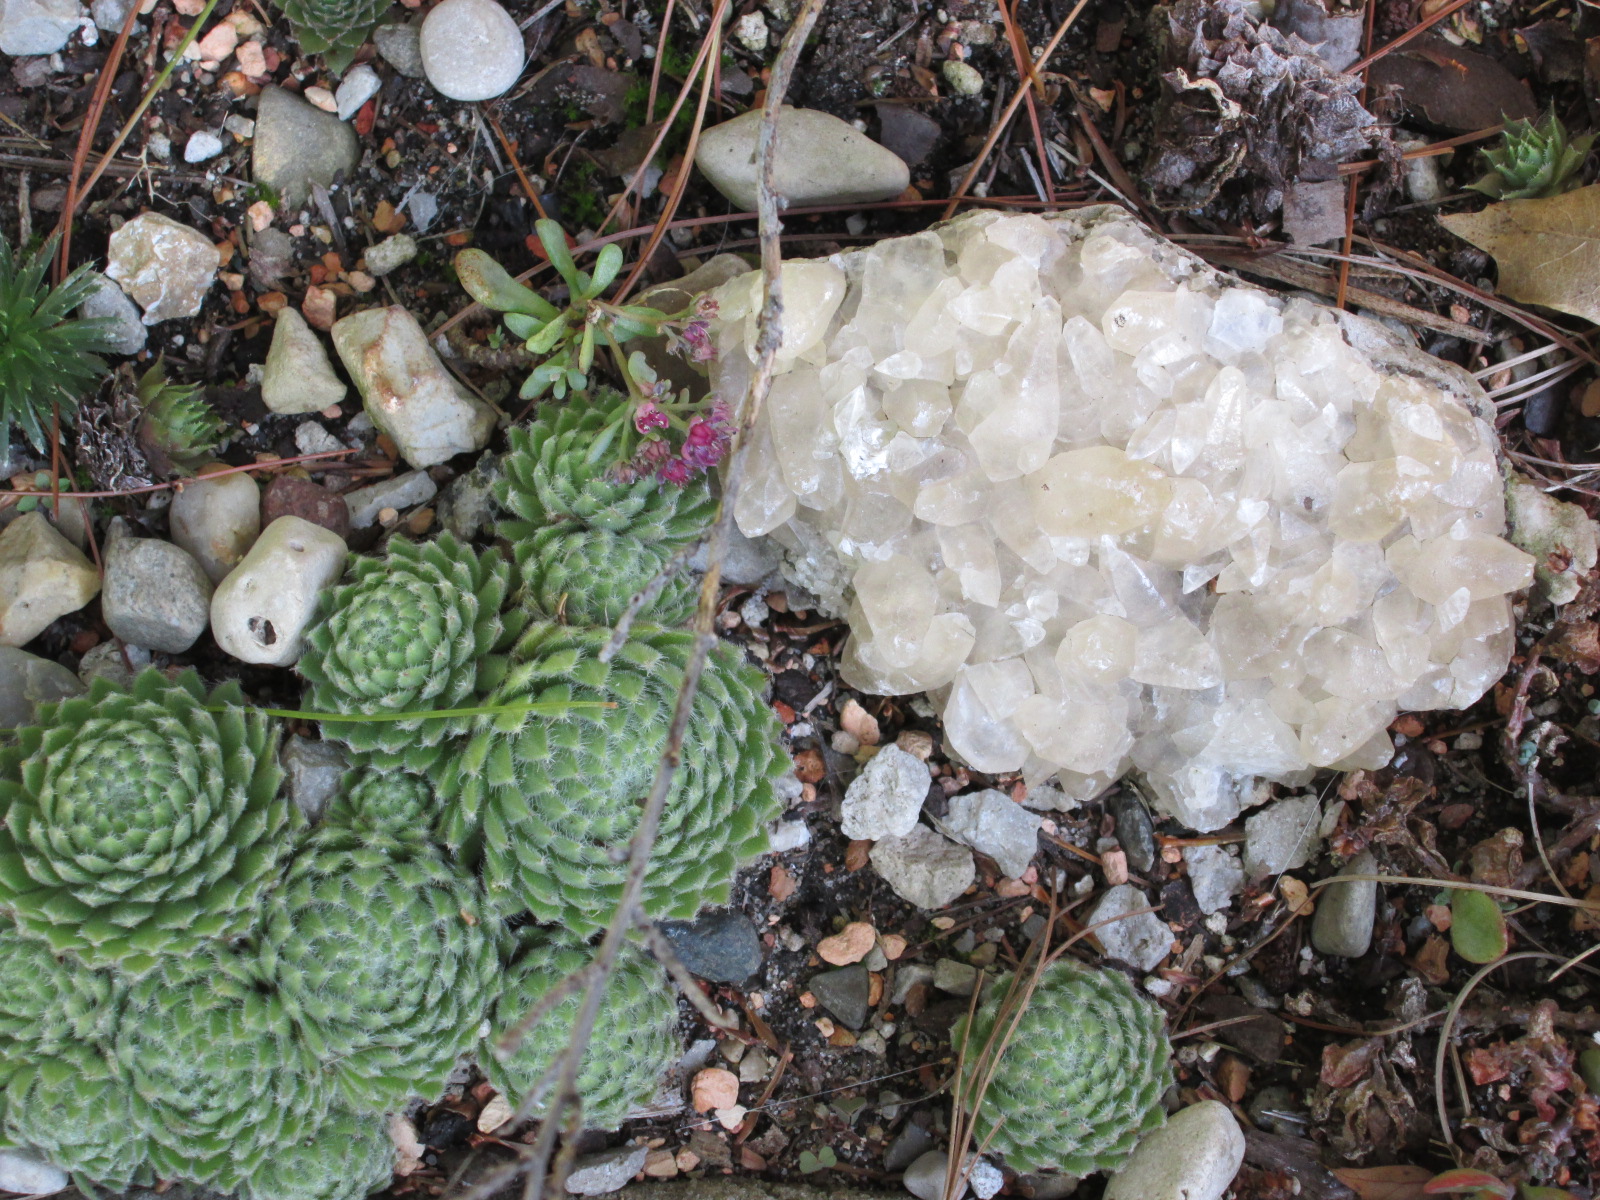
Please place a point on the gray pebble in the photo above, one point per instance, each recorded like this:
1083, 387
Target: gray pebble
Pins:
314, 770
606, 1172
844, 993
1342, 925
26, 680
155, 595
720, 946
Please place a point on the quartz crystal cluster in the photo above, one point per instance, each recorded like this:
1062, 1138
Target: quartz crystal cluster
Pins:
1114, 511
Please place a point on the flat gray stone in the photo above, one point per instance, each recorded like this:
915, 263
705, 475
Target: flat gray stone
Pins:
124, 329
844, 993
1141, 941
399, 493
37, 26
466, 505
1215, 876
155, 594
27, 680
606, 1172
313, 770
720, 946
401, 47
1281, 836
924, 868
1342, 925
886, 798
820, 160
297, 144
992, 824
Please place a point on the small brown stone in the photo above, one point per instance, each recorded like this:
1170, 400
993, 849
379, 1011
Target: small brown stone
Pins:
288, 496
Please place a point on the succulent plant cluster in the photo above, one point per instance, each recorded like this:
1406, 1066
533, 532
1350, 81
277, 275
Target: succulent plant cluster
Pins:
196, 985
1081, 1077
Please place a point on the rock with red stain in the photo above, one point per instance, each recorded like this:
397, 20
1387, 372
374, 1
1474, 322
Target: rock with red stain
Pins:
287, 496
407, 391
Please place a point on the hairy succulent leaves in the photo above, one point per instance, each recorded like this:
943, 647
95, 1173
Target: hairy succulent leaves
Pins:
1081, 1078
638, 1013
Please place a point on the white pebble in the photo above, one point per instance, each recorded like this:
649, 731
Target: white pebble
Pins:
202, 144
261, 610
471, 49
361, 83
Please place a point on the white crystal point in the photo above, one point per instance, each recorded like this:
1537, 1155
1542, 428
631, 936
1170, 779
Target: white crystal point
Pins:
1114, 511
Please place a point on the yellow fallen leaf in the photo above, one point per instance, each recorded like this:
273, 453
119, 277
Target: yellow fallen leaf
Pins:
1548, 250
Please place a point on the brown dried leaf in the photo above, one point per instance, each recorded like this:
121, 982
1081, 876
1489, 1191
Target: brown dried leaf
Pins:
1452, 86
1348, 1064
1398, 1182
1548, 251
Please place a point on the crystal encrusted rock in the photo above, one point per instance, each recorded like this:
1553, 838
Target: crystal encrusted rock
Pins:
1115, 511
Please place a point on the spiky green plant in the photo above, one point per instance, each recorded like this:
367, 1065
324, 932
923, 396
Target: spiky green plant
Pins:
1081, 1078
638, 1019
140, 823
178, 430
384, 804
334, 29
74, 1109
217, 1079
588, 577
47, 1002
414, 631
559, 469
1535, 161
551, 802
383, 957
47, 358
347, 1157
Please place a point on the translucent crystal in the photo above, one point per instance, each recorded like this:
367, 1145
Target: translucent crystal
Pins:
1113, 511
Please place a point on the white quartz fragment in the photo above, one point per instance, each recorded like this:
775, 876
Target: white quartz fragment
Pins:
1114, 511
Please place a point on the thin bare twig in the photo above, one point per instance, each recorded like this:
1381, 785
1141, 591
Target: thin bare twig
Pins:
1011, 111
564, 1098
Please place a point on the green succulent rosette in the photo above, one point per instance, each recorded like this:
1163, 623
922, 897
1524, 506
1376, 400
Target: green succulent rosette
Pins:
141, 823
636, 1029
589, 576
347, 1157
48, 1002
74, 1110
334, 29
1082, 1077
550, 802
383, 958
217, 1079
378, 803
414, 631
559, 471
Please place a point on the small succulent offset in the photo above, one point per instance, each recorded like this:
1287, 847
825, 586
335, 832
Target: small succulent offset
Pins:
140, 823
178, 430
418, 630
620, 1071
334, 29
1081, 1079
655, 432
47, 358
1535, 161
586, 535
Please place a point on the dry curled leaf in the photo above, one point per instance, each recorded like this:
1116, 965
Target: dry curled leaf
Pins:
1398, 1182
1548, 251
